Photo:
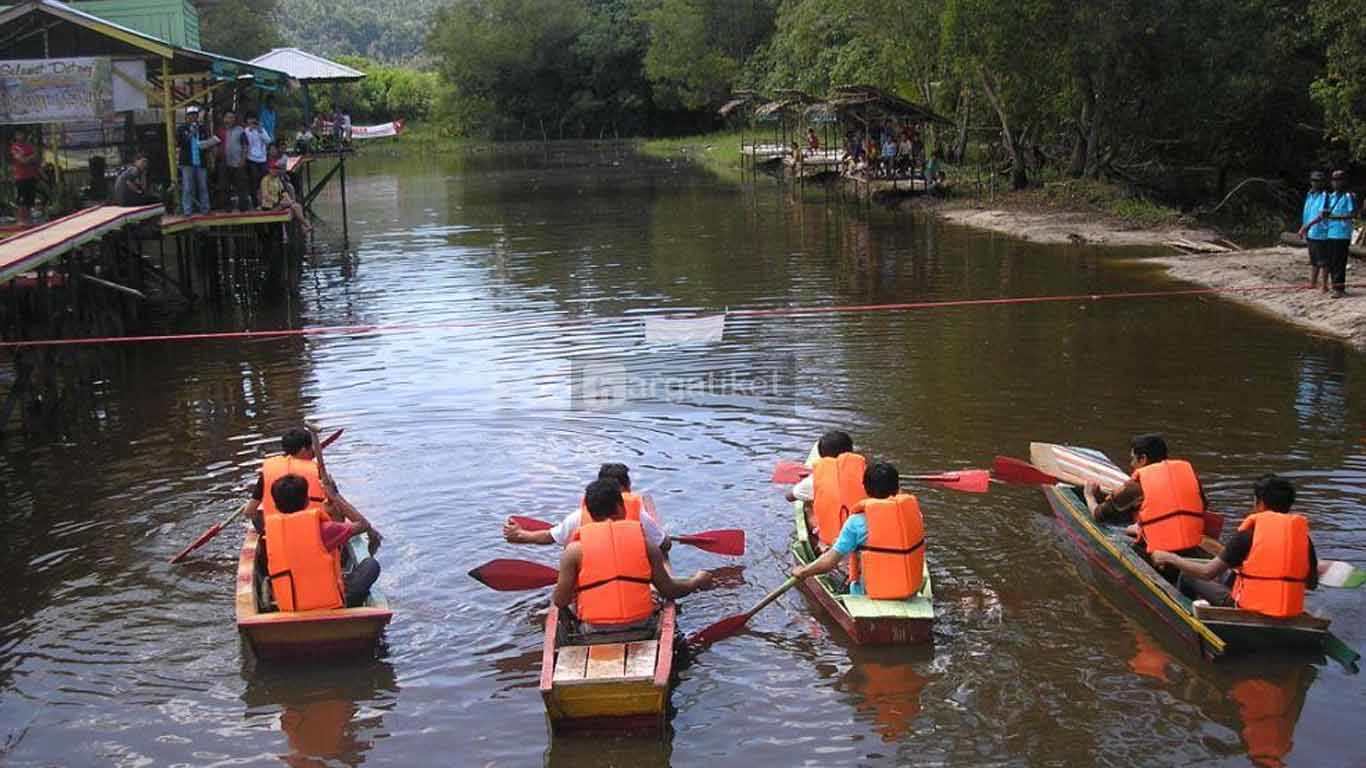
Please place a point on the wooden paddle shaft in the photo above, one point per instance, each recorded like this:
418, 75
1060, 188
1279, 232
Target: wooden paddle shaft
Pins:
774, 595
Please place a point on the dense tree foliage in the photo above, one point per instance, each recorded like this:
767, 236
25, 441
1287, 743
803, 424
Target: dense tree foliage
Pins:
391, 32
388, 92
1341, 87
243, 29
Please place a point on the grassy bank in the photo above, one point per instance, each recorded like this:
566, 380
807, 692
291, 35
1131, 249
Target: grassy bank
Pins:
717, 152
1067, 195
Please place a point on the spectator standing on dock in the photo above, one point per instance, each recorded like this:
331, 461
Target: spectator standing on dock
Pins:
194, 143
24, 161
258, 146
1339, 211
130, 188
232, 167
1315, 231
268, 116
813, 142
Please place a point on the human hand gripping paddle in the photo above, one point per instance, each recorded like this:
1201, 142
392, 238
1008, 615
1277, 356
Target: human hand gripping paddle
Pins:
723, 541
218, 527
966, 480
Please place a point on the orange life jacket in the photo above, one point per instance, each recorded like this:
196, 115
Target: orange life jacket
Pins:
1171, 517
892, 560
276, 467
631, 501
838, 486
1269, 716
304, 575
614, 573
1272, 578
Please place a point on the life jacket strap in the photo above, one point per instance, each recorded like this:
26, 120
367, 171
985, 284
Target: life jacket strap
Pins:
891, 551
605, 582
1290, 579
1177, 513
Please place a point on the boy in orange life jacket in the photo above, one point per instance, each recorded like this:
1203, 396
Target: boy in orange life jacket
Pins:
297, 457
607, 569
304, 565
1164, 499
838, 479
888, 531
563, 531
1271, 556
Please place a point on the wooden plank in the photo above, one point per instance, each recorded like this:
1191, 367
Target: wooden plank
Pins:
606, 662
1251, 618
571, 663
640, 658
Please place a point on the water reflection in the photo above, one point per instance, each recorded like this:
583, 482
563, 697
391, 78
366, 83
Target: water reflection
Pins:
330, 714
886, 684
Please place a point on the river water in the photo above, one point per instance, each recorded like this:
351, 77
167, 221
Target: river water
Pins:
529, 275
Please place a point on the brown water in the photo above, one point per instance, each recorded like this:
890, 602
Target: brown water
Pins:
539, 267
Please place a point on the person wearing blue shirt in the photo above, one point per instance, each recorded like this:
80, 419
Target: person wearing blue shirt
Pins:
1314, 231
1339, 210
267, 116
880, 481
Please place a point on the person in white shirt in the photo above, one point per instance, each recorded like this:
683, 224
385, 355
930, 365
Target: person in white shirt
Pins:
258, 147
562, 532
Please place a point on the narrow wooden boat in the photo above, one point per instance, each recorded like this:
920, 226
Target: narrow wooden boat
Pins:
1110, 555
866, 621
276, 634
608, 681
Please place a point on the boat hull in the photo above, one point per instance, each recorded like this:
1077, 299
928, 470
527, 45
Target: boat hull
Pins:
621, 684
866, 621
303, 634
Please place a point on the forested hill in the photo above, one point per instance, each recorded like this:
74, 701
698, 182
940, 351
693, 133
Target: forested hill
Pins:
390, 31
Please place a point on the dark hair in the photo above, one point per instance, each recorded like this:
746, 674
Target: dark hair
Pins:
602, 498
1151, 446
619, 472
834, 442
1274, 492
290, 493
249, 116
295, 439
881, 480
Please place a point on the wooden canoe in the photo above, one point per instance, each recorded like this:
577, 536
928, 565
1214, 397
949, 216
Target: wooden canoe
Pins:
276, 634
1111, 557
608, 682
866, 621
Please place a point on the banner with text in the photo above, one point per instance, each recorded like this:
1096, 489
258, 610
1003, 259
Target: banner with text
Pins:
55, 90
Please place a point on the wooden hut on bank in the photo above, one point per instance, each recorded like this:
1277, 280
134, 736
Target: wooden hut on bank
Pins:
866, 111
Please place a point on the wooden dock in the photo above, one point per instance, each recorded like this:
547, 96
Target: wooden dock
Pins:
36, 246
171, 225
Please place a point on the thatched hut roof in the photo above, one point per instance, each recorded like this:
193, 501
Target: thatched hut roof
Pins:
866, 101
738, 99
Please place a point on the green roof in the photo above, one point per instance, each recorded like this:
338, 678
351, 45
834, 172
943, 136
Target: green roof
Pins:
175, 21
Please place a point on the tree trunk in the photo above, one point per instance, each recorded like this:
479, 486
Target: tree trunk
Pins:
960, 147
1019, 175
1096, 163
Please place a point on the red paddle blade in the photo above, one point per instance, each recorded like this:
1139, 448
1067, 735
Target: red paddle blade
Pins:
1018, 472
332, 438
197, 543
726, 541
1214, 525
514, 575
531, 523
789, 472
967, 481
719, 631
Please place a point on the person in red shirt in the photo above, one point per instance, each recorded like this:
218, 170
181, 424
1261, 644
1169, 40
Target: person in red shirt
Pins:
25, 160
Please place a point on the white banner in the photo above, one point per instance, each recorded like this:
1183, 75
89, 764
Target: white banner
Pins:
55, 90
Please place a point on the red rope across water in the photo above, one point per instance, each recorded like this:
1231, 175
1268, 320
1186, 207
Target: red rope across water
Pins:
361, 330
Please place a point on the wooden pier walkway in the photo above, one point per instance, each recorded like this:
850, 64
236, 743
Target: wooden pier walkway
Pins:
38, 245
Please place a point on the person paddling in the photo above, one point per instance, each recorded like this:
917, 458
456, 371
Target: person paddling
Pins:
886, 533
563, 532
1271, 556
297, 458
304, 553
833, 487
608, 567
1164, 499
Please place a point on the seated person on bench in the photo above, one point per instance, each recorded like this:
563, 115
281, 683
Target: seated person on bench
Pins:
303, 551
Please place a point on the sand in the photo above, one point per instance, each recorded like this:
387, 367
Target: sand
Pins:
1078, 228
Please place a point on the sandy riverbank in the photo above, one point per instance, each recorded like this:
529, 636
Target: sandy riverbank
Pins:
1067, 227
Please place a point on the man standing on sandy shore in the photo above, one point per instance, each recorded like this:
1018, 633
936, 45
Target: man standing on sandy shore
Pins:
1313, 230
1338, 214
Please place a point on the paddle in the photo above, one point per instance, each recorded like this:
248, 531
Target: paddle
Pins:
723, 541
967, 480
218, 527
515, 575
733, 624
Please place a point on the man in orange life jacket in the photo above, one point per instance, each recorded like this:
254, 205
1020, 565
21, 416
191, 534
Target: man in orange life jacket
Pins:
297, 458
1271, 556
887, 532
1164, 499
607, 569
563, 532
304, 553
833, 487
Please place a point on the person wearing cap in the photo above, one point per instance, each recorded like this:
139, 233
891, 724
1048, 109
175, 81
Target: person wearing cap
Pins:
1314, 231
1339, 210
194, 142
276, 193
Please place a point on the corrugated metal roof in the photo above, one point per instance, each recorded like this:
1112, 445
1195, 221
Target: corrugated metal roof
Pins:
306, 67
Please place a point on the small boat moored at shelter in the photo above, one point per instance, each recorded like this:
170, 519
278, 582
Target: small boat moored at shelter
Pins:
326, 633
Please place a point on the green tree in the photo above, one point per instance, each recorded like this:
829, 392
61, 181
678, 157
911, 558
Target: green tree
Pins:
697, 47
1341, 88
243, 30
